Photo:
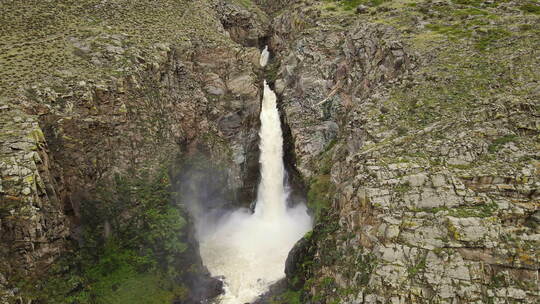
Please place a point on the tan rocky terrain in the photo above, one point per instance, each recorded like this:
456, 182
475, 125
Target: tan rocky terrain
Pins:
418, 124
413, 125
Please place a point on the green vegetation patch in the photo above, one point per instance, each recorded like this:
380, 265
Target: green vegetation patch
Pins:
365, 263
350, 5
480, 3
501, 141
124, 276
245, 3
489, 37
320, 191
413, 271
131, 251
531, 7
482, 211
287, 297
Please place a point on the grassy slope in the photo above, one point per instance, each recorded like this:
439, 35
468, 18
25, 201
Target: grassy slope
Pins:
54, 41
479, 63
483, 68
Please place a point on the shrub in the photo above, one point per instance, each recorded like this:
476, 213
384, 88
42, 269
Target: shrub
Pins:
139, 262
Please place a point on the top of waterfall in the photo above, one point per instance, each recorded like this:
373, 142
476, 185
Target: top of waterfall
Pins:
265, 54
269, 97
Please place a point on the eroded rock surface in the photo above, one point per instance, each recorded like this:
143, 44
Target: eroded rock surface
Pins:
434, 197
132, 105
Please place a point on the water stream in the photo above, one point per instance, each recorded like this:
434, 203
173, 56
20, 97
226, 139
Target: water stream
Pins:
248, 250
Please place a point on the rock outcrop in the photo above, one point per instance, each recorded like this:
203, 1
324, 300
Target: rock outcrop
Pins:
432, 162
33, 224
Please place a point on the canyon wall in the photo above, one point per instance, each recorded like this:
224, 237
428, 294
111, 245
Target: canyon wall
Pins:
119, 103
417, 130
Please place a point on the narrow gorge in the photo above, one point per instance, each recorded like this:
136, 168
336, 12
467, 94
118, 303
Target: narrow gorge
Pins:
269, 152
248, 249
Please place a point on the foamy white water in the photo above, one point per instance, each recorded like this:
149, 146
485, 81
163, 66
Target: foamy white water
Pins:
249, 249
264, 57
271, 193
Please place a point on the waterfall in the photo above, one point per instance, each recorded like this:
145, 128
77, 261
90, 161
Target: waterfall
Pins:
248, 250
271, 198
264, 57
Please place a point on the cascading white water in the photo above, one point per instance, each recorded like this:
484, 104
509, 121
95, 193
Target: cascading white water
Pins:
265, 55
271, 195
249, 250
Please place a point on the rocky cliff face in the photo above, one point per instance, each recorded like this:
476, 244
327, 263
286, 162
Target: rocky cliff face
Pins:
424, 125
414, 126
34, 225
122, 99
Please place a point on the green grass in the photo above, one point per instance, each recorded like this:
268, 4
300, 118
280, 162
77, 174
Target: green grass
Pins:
43, 41
365, 264
245, 3
490, 37
469, 2
479, 3
531, 7
413, 271
501, 141
402, 188
116, 280
468, 12
482, 211
320, 189
350, 5
288, 297
120, 276
328, 282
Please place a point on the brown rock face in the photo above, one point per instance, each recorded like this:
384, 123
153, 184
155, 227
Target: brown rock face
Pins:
33, 225
191, 98
433, 201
